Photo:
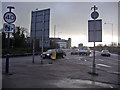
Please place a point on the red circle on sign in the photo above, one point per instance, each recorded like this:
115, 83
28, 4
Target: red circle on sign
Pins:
9, 22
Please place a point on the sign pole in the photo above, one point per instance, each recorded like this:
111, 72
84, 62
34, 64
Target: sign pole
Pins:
94, 15
93, 70
8, 42
7, 56
94, 65
42, 38
34, 40
33, 50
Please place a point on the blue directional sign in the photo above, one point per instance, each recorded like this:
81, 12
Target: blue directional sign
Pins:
8, 28
95, 15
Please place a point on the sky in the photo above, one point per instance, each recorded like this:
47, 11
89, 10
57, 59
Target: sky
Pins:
70, 18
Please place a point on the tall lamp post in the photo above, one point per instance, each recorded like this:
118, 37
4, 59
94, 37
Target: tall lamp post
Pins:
85, 37
59, 33
112, 31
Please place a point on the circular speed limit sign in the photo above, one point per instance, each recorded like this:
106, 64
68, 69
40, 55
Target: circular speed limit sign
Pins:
9, 17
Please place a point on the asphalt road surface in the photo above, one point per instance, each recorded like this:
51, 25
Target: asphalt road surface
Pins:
68, 72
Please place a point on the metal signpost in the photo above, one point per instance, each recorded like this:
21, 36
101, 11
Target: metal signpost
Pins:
9, 17
98, 30
94, 33
40, 29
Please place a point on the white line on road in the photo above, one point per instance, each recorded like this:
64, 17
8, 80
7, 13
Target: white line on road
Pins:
100, 59
103, 65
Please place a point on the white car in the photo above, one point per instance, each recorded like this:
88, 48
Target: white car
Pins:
85, 51
75, 52
105, 53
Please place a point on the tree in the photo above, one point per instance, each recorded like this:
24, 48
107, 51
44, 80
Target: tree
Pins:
19, 39
3, 40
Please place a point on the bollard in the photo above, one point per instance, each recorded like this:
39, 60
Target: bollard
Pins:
54, 55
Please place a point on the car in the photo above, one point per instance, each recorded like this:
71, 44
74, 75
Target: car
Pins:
48, 53
75, 52
105, 53
85, 51
60, 53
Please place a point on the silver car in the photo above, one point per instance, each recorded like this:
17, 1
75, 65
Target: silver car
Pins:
105, 53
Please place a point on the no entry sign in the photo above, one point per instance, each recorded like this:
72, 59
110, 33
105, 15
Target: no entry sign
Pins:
9, 17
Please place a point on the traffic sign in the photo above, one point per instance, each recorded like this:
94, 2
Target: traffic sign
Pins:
9, 17
9, 28
94, 15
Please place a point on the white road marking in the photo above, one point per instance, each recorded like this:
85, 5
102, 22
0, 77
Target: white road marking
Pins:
103, 65
100, 59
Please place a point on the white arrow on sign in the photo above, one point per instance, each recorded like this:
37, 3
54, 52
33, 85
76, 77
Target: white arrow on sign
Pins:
8, 28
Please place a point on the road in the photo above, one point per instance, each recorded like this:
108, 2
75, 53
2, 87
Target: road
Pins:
109, 64
68, 72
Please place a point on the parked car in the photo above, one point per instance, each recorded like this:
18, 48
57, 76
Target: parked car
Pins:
48, 53
85, 51
105, 53
75, 52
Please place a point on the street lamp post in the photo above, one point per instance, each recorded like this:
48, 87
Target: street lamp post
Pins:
85, 37
54, 30
112, 31
59, 33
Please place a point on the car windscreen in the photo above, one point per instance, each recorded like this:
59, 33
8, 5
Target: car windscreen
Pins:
86, 49
50, 51
105, 51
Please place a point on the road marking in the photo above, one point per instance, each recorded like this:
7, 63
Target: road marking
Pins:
103, 65
100, 59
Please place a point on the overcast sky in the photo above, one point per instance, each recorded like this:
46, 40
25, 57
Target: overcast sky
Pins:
70, 18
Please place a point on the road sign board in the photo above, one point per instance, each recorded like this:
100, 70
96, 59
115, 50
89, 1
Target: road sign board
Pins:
40, 26
97, 26
8, 28
94, 15
9, 17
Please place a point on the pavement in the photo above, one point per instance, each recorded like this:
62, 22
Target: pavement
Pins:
59, 73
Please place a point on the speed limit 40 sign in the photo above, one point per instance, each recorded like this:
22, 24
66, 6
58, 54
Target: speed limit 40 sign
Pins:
9, 17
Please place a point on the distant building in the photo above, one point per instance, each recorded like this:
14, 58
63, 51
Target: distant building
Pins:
62, 42
69, 43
